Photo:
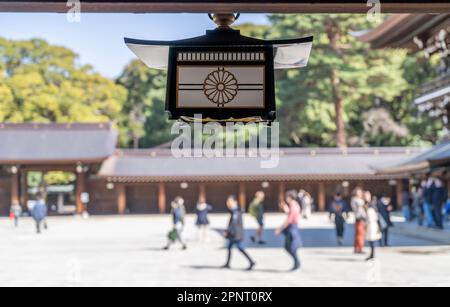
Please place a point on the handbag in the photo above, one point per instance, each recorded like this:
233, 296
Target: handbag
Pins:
172, 235
382, 222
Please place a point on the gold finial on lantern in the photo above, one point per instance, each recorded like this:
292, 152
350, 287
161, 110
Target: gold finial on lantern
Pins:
224, 20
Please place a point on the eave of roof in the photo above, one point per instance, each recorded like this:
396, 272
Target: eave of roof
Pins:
437, 156
398, 31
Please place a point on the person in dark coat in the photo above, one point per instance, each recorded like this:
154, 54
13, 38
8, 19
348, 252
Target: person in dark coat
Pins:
202, 211
39, 214
235, 232
290, 228
338, 209
439, 196
384, 209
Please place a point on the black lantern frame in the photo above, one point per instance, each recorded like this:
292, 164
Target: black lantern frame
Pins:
265, 112
218, 50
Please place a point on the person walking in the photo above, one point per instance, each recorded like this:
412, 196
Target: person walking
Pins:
417, 202
290, 227
16, 213
439, 197
39, 214
447, 210
359, 211
385, 209
428, 202
178, 213
337, 210
307, 205
256, 209
235, 232
202, 211
406, 205
373, 231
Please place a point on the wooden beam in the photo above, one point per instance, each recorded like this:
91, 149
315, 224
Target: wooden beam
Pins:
399, 192
24, 189
80, 189
15, 184
220, 6
202, 193
322, 200
162, 198
242, 195
121, 198
281, 192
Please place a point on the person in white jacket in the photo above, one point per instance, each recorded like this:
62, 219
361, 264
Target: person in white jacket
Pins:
373, 230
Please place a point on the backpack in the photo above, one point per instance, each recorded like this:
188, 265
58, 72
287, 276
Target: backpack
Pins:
253, 209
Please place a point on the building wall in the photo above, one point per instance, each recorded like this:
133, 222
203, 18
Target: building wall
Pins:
217, 193
5, 195
102, 200
144, 198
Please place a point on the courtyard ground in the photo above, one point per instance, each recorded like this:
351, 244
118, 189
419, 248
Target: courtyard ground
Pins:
126, 251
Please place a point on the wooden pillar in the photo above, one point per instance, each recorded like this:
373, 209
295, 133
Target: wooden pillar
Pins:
281, 192
322, 199
121, 198
24, 189
80, 188
15, 184
242, 195
162, 198
399, 192
202, 192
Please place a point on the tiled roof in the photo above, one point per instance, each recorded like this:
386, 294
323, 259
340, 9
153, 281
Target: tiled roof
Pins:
295, 164
56, 143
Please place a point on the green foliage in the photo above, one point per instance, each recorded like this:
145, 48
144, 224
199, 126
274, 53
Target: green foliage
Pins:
43, 83
40, 180
343, 70
145, 106
62, 178
373, 90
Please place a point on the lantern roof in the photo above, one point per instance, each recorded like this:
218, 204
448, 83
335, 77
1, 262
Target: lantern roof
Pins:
289, 53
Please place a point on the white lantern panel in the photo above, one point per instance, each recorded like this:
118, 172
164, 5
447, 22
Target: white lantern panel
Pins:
292, 56
221, 87
153, 56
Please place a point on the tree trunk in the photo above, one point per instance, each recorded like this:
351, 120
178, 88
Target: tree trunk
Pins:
333, 33
341, 136
135, 142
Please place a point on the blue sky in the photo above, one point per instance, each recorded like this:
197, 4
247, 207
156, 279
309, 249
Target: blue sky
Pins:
98, 38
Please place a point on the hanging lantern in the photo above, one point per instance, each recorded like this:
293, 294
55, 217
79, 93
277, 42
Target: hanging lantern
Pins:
222, 76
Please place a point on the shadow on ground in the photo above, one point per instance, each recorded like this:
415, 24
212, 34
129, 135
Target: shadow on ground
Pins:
324, 238
220, 268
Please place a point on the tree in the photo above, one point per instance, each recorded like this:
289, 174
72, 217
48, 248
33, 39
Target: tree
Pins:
344, 77
145, 106
43, 83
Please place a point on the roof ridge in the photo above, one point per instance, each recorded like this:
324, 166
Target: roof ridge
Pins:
320, 151
56, 126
